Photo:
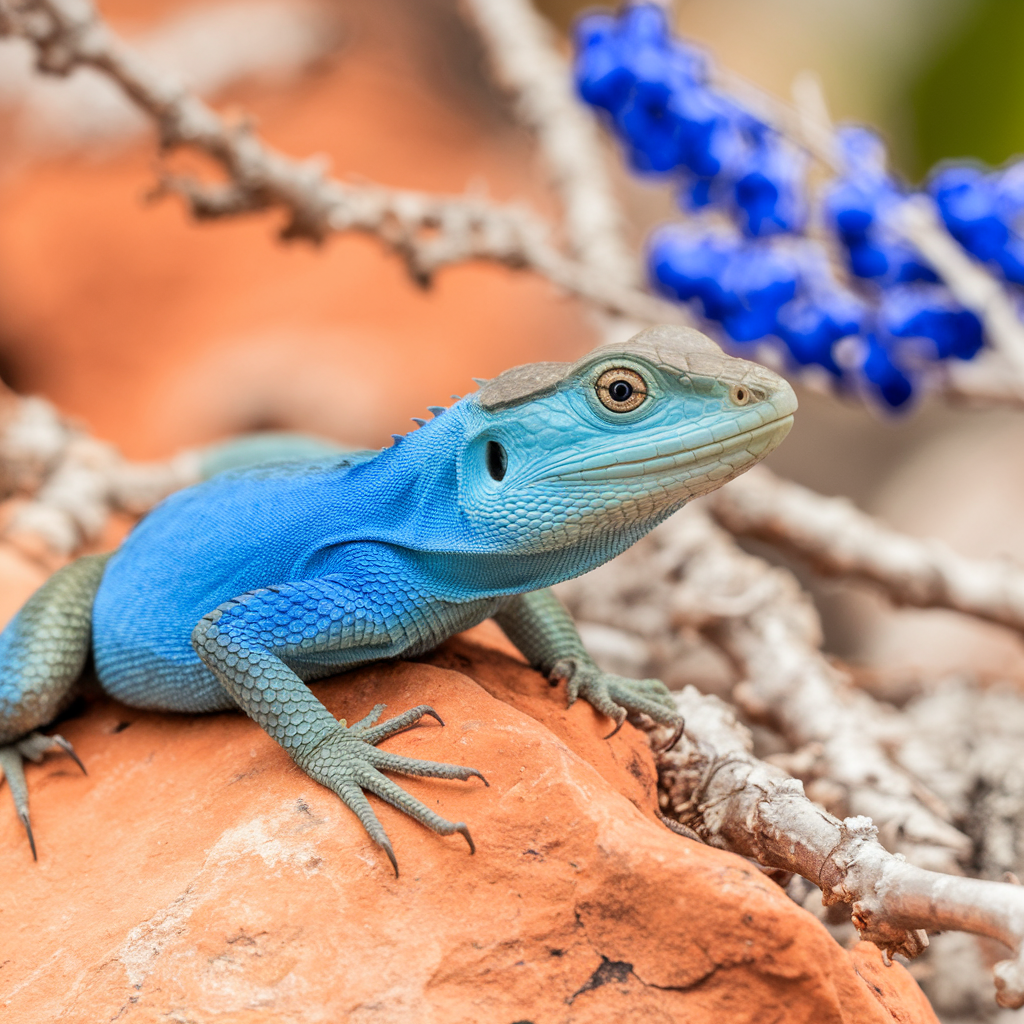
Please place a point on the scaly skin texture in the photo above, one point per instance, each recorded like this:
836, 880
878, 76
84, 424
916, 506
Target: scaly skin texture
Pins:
237, 592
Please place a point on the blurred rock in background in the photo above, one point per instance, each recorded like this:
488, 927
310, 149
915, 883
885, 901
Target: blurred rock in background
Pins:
160, 333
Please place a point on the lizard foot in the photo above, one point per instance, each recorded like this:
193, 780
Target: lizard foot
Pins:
348, 763
31, 748
617, 696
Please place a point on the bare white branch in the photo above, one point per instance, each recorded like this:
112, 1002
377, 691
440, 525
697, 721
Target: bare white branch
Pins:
811, 107
840, 540
692, 572
209, 47
712, 783
526, 61
65, 484
427, 231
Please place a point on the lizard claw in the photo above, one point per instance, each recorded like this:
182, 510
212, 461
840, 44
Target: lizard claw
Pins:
69, 750
386, 846
348, 762
461, 828
12, 757
618, 697
676, 736
620, 718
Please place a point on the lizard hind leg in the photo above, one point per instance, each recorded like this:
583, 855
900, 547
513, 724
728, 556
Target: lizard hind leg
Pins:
42, 652
12, 758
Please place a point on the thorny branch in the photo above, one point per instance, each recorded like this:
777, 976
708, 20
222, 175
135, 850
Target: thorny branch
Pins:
426, 231
60, 486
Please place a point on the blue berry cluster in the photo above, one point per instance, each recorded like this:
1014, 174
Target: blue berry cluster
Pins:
755, 272
655, 90
980, 210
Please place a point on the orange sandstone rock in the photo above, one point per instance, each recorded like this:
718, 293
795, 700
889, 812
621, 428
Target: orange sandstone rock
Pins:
197, 875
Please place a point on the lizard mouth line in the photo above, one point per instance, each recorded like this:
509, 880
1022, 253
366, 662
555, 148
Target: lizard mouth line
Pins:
687, 457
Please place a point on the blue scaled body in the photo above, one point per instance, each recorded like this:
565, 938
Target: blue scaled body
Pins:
240, 590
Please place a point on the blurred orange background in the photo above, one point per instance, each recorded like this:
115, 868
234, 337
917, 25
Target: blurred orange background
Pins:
161, 333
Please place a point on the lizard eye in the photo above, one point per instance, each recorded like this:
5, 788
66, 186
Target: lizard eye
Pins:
621, 390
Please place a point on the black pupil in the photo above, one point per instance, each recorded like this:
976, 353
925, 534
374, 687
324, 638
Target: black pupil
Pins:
621, 391
497, 460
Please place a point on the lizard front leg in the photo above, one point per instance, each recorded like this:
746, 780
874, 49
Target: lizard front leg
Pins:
246, 643
541, 627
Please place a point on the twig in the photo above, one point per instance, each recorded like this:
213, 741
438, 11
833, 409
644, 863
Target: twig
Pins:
789, 119
811, 108
712, 782
526, 61
427, 231
64, 484
840, 540
693, 571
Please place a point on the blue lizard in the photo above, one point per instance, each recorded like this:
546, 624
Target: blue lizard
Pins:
238, 591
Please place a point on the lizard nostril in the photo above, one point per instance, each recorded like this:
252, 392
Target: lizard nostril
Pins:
497, 460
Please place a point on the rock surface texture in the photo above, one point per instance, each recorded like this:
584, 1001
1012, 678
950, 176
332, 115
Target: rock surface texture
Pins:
197, 875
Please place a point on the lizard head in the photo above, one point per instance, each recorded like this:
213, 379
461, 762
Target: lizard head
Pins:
558, 454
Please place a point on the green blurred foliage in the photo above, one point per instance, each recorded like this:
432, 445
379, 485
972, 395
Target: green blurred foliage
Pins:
968, 102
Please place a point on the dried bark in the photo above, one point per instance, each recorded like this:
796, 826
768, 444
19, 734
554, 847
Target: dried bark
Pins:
693, 571
840, 540
714, 785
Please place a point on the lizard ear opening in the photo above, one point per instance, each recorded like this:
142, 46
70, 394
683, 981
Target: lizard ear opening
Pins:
497, 460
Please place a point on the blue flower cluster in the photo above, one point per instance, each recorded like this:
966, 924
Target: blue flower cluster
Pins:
763, 278
656, 92
981, 210
859, 205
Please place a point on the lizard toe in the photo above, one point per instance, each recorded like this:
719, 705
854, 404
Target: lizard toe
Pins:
364, 723
618, 697
394, 725
352, 796
386, 761
12, 757
393, 794
662, 712
347, 763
